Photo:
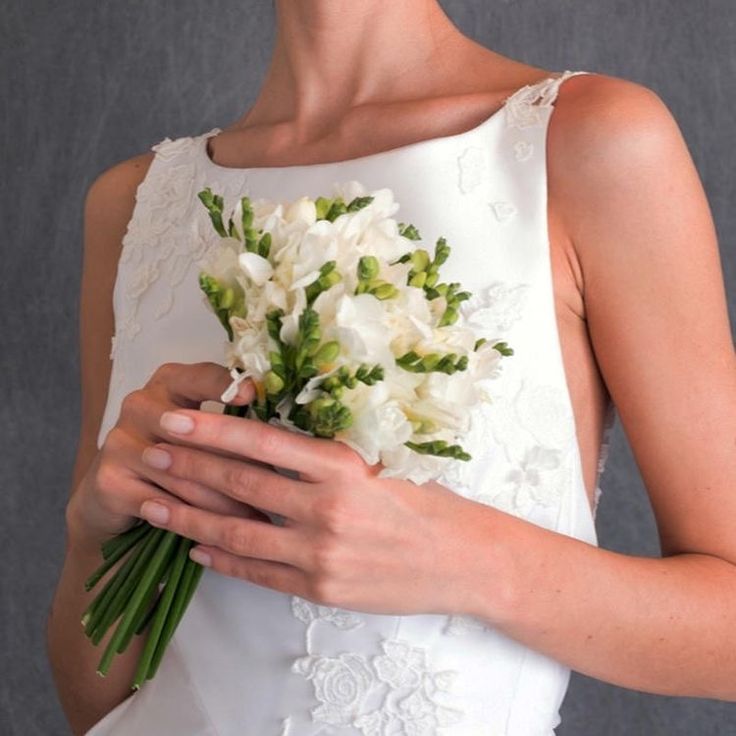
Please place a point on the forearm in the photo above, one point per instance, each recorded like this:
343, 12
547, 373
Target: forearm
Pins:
659, 625
85, 696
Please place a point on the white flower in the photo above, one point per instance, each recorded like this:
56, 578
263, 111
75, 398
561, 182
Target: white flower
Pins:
361, 329
256, 267
405, 405
378, 422
302, 210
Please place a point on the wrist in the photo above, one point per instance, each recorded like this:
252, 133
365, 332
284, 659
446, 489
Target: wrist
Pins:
81, 539
489, 564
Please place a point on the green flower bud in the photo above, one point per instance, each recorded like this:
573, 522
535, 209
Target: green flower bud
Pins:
441, 251
503, 348
385, 291
368, 268
227, 297
420, 260
322, 205
430, 361
449, 317
409, 231
418, 279
431, 279
264, 245
272, 383
328, 352
359, 202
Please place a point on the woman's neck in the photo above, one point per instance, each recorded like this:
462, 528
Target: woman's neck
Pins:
332, 56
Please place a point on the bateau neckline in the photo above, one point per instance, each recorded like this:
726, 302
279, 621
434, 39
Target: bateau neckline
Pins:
413, 145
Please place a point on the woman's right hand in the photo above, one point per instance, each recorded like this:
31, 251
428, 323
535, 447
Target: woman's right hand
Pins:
108, 498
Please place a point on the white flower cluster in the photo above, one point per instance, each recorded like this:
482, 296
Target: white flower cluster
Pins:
399, 360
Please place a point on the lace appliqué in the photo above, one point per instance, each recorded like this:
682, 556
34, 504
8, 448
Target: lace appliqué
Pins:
393, 693
471, 169
523, 109
608, 424
523, 150
521, 440
502, 210
161, 241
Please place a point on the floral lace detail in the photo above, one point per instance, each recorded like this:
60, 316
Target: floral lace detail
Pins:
502, 210
457, 625
497, 308
521, 442
471, 169
523, 109
523, 150
388, 694
608, 424
160, 241
393, 693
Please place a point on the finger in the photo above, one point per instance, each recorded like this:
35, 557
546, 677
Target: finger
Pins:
315, 458
189, 384
274, 575
129, 453
243, 537
240, 481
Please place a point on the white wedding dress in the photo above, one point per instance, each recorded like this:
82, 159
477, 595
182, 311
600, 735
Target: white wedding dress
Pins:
250, 661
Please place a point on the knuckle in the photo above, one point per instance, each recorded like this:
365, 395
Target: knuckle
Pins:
349, 463
106, 478
115, 440
268, 441
321, 589
133, 402
236, 537
332, 515
324, 558
238, 482
165, 371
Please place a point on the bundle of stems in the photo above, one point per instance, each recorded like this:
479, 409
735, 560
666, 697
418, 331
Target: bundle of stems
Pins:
133, 594
149, 591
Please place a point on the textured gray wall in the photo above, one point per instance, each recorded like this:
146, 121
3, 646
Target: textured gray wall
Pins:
85, 85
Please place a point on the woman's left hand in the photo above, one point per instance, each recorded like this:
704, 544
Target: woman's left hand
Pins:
350, 539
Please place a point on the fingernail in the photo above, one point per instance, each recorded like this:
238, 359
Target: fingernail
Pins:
154, 512
201, 557
177, 423
156, 458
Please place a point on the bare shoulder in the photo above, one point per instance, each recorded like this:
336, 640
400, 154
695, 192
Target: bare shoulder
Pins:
604, 131
636, 214
111, 196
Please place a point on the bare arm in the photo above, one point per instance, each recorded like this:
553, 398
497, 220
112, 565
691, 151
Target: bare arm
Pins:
84, 695
656, 311
108, 484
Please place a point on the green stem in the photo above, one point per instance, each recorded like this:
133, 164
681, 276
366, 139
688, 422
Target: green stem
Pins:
98, 613
141, 626
185, 590
162, 610
149, 579
151, 601
113, 554
134, 533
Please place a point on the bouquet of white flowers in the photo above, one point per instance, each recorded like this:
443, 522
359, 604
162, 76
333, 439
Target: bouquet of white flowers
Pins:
345, 328
346, 331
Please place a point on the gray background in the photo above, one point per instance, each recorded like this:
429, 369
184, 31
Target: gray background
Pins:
87, 84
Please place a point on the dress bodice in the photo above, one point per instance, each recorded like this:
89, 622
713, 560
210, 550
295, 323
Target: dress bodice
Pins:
250, 661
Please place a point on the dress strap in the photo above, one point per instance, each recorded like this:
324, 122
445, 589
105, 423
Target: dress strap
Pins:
524, 106
550, 87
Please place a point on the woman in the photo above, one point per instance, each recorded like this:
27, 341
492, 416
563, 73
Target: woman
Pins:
441, 609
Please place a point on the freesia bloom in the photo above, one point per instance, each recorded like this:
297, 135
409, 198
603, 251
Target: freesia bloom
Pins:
348, 330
